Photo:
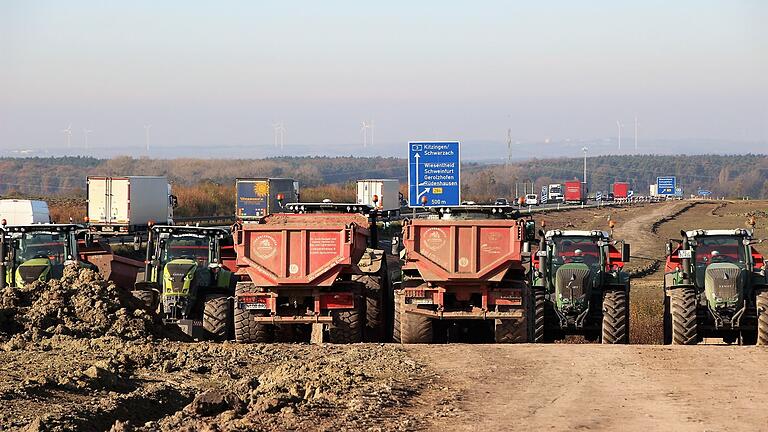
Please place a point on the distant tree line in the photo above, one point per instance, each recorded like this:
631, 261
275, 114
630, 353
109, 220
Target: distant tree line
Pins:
733, 175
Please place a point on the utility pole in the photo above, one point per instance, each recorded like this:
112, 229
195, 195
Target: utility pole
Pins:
509, 148
584, 149
618, 123
635, 134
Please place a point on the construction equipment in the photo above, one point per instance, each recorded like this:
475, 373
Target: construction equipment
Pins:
38, 252
465, 276
579, 287
715, 287
317, 265
187, 280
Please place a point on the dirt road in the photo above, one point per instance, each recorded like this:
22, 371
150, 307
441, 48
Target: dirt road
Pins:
595, 387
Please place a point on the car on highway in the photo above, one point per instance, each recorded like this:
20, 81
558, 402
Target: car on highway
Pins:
531, 200
501, 202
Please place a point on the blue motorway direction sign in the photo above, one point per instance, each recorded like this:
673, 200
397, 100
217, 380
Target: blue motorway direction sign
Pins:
433, 172
666, 185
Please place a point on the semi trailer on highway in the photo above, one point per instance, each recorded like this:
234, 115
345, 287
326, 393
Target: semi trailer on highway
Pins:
124, 205
575, 192
259, 197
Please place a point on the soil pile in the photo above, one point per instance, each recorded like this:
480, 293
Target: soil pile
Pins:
79, 305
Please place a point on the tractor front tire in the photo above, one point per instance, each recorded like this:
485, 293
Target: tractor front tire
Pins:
682, 304
762, 317
615, 318
539, 316
667, 320
217, 316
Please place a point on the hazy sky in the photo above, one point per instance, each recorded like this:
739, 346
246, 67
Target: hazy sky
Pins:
219, 74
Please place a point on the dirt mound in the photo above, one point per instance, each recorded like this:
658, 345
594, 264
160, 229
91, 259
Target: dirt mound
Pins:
79, 305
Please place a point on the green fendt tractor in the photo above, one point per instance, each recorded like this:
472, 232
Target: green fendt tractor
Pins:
715, 287
580, 287
38, 252
186, 279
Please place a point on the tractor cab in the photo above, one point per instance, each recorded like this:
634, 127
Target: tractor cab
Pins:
38, 251
184, 266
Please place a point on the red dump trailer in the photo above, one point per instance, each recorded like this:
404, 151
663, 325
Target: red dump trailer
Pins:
620, 189
575, 192
313, 267
468, 264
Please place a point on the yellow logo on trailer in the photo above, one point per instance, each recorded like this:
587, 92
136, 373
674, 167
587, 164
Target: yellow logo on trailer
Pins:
261, 188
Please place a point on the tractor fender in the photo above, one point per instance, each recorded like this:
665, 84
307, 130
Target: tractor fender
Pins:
371, 261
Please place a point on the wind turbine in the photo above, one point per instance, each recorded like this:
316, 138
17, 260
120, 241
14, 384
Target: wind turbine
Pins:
364, 130
86, 132
68, 134
146, 136
618, 123
279, 129
635, 134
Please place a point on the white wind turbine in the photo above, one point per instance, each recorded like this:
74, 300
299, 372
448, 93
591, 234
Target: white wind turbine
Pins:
68, 135
86, 132
366, 128
146, 136
279, 130
620, 126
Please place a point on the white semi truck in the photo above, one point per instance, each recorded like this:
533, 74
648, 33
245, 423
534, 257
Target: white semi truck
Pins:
129, 204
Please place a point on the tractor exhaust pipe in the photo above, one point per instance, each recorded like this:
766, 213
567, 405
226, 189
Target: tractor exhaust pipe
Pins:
3, 275
543, 258
148, 260
686, 262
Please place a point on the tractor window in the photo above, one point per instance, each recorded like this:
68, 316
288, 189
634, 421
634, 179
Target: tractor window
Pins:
188, 246
575, 250
714, 249
42, 245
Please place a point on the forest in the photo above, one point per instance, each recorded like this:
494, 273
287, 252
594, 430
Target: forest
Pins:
207, 186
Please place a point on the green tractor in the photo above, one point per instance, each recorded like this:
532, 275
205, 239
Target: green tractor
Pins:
187, 279
715, 287
38, 252
580, 287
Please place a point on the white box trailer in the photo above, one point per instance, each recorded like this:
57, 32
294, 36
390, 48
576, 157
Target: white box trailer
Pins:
387, 191
127, 204
24, 212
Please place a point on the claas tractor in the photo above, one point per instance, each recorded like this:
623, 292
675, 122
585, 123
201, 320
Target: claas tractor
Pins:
186, 280
465, 276
580, 287
314, 272
715, 287
38, 252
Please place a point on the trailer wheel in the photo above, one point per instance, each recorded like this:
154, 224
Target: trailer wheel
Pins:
510, 330
396, 320
217, 315
246, 329
762, 317
615, 318
539, 315
413, 328
146, 297
682, 304
347, 326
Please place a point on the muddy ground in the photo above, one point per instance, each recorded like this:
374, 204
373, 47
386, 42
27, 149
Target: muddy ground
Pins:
57, 373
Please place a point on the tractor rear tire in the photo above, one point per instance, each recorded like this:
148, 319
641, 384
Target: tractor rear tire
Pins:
510, 330
347, 326
682, 304
146, 297
375, 317
762, 317
246, 329
539, 316
667, 320
217, 316
615, 318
